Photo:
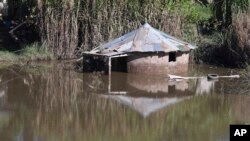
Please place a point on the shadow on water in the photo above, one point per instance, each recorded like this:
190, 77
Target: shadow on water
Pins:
51, 102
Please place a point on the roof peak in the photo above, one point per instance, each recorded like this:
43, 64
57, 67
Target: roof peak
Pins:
147, 25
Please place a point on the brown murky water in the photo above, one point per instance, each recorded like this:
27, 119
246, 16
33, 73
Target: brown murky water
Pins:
52, 102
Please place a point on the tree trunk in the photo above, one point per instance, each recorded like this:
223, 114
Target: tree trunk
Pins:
228, 15
39, 4
218, 9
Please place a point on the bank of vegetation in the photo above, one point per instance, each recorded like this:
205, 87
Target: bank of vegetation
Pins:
34, 52
220, 28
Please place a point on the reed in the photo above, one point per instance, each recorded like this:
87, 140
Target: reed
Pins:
58, 23
71, 27
236, 42
105, 20
230, 48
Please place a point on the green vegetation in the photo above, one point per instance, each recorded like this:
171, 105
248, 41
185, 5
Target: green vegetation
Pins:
228, 47
69, 27
7, 56
33, 52
198, 21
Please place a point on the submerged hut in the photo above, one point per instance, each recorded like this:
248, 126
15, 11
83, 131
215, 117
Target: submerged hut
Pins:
145, 50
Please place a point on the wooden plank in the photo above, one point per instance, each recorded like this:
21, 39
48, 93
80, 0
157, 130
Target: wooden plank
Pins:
118, 93
180, 77
176, 77
123, 55
230, 76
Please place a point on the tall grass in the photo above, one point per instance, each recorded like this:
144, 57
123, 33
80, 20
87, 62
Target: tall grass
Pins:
32, 52
7, 56
68, 27
105, 20
83, 25
231, 47
241, 27
35, 52
236, 41
58, 23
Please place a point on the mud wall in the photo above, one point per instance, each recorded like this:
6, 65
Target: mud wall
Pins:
158, 63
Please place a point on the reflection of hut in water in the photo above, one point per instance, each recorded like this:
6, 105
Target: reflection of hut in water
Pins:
147, 85
145, 50
146, 94
204, 86
145, 105
155, 84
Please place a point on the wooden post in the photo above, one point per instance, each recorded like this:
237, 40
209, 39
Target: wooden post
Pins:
110, 65
109, 73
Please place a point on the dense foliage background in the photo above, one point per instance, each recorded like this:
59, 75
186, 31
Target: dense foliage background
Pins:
68, 27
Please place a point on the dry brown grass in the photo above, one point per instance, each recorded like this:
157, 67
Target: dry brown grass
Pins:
87, 24
241, 26
231, 47
237, 41
59, 29
112, 19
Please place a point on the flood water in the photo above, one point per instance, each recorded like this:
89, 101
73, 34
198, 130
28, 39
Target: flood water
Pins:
53, 102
